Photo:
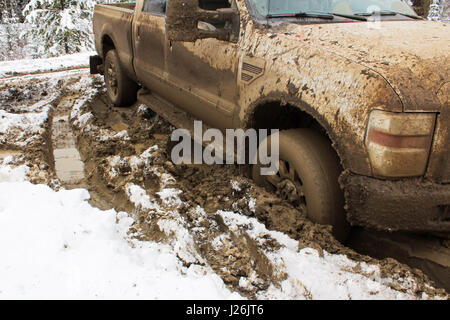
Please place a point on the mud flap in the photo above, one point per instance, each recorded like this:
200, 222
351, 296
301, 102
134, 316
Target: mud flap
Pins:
95, 64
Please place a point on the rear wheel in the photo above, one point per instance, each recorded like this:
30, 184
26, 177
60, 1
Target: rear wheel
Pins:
121, 90
308, 177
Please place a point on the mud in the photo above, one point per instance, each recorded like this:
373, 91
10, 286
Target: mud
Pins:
429, 254
126, 152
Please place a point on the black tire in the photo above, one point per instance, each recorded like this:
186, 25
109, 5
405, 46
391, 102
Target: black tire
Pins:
121, 90
317, 170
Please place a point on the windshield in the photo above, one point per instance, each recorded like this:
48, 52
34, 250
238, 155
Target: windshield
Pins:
344, 7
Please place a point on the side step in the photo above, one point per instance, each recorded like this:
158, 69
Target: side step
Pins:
176, 117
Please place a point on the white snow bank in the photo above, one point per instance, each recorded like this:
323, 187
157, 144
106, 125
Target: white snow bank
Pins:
15, 67
55, 245
170, 222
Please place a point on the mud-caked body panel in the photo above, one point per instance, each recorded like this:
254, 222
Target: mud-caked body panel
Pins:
337, 91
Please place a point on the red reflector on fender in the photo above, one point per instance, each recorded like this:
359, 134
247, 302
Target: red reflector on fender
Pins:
399, 142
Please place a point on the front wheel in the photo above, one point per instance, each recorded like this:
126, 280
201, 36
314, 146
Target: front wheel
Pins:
121, 90
308, 176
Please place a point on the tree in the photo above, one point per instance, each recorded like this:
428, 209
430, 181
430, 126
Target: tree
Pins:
439, 10
12, 9
59, 26
11, 25
432, 9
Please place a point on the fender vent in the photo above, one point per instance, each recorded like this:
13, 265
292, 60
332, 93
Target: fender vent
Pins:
246, 77
251, 68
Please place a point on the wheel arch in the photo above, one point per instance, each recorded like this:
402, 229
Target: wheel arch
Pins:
282, 111
107, 44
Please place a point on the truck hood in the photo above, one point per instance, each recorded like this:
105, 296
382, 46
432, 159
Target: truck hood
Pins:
413, 56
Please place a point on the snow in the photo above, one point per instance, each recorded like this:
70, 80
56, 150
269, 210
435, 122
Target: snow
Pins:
147, 154
235, 185
312, 276
60, 27
10, 174
139, 197
56, 245
23, 121
83, 119
22, 128
77, 60
169, 196
170, 222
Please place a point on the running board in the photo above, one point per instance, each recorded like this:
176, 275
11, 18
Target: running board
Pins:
176, 117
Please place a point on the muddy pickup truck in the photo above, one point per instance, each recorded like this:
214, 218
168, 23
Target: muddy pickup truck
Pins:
359, 90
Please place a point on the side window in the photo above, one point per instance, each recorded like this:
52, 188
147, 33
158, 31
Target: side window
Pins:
213, 4
155, 6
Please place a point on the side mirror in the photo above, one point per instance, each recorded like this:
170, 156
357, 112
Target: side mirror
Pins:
186, 21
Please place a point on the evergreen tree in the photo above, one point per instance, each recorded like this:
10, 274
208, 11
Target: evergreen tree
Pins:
12, 10
59, 26
439, 10
11, 26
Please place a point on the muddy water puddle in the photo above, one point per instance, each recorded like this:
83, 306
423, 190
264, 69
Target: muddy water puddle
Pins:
68, 164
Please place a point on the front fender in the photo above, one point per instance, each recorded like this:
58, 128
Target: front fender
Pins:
341, 105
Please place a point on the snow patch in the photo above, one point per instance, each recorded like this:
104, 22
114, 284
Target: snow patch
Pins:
14, 67
11, 174
55, 245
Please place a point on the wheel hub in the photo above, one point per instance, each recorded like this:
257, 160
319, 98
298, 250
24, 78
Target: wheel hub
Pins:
288, 191
287, 184
112, 79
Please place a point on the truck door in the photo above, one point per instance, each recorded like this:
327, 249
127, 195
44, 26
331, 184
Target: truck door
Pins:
150, 43
206, 74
